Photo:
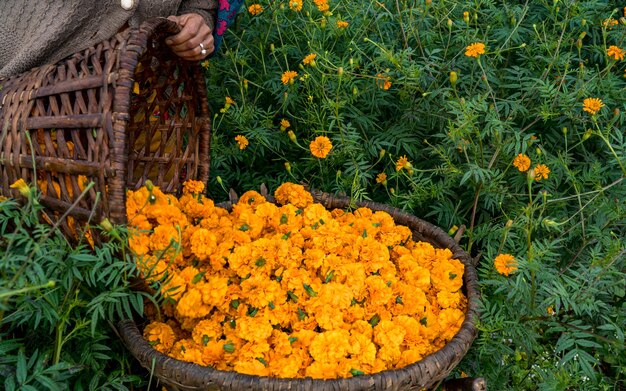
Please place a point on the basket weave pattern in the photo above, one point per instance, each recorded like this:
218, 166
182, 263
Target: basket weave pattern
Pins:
116, 114
184, 376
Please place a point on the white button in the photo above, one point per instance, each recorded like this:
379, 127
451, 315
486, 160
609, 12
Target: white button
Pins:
127, 4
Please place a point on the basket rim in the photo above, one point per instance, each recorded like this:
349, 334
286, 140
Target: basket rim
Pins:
436, 365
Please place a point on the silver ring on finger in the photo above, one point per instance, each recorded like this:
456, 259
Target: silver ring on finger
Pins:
202, 49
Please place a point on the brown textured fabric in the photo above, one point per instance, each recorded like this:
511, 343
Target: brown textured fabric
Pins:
35, 32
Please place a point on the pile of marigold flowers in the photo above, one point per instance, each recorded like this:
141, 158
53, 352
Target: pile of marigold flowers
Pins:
290, 289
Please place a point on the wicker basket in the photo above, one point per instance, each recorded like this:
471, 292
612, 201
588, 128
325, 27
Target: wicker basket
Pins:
428, 372
116, 114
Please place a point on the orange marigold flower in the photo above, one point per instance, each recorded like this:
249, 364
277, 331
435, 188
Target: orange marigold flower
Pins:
592, 105
242, 141
193, 187
288, 77
255, 9
403, 162
342, 24
475, 49
295, 5
541, 172
609, 23
284, 124
522, 162
290, 193
160, 336
230, 101
505, 264
322, 5
381, 178
383, 82
615, 52
309, 59
320, 147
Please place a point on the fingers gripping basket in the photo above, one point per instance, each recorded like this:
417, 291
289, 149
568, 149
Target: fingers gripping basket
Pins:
116, 114
428, 372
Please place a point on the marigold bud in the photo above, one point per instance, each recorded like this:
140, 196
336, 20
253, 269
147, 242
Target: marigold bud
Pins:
450, 23
582, 35
272, 47
538, 151
453, 230
564, 130
323, 23
288, 167
340, 71
579, 44
106, 225
382, 153
428, 3
149, 185
587, 134
292, 136
355, 91
392, 190
616, 112
509, 223
466, 17
453, 78
583, 22
219, 180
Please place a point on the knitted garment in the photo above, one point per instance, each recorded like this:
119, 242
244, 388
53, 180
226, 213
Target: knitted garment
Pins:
35, 32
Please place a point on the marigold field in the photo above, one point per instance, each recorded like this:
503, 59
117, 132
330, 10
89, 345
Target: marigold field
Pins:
502, 122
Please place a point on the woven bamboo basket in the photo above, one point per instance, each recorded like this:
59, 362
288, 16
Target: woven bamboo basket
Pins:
115, 114
178, 375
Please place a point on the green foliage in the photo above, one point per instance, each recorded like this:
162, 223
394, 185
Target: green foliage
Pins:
58, 301
558, 322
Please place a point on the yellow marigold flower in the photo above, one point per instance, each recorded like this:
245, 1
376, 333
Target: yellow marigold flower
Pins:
309, 59
505, 264
295, 5
230, 101
322, 5
403, 162
541, 172
615, 52
320, 147
522, 162
342, 24
21, 186
284, 124
288, 77
160, 336
242, 141
381, 178
592, 105
193, 187
255, 9
475, 49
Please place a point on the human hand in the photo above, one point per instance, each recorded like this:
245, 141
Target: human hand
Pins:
195, 41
